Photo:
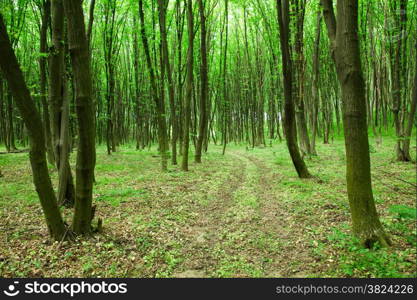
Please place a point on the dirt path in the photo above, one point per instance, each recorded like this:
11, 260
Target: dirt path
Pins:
205, 232
277, 219
246, 226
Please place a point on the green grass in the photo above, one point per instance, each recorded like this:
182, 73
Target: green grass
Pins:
245, 214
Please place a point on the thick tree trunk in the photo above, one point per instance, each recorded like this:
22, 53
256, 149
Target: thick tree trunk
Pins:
345, 46
300, 75
12, 73
80, 59
289, 118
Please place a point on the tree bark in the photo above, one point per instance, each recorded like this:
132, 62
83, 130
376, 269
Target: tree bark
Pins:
37, 155
90, 22
300, 75
159, 102
202, 129
189, 86
289, 118
162, 8
80, 60
315, 85
46, 12
411, 117
57, 92
345, 46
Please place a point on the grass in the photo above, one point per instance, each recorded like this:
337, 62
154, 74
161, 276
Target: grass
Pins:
245, 214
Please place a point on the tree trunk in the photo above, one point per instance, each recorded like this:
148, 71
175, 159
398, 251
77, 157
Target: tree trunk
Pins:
80, 59
315, 85
289, 118
345, 47
202, 129
12, 73
57, 92
225, 92
398, 76
299, 82
411, 117
159, 102
46, 12
162, 7
189, 87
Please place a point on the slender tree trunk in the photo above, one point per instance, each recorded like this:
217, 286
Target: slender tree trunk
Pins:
315, 85
411, 117
109, 49
138, 106
189, 87
57, 92
345, 48
398, 76
90, 22
162, 8
13, 75
46, 12
289, 118
10, 127
80, 59
160, 106
202, 129
225, 92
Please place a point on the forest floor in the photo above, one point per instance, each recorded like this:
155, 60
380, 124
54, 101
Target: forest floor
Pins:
245, 214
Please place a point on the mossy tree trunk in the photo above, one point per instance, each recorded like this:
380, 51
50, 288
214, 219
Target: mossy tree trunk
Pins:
343, 35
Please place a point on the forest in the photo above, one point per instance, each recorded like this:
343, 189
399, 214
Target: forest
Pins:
208, 138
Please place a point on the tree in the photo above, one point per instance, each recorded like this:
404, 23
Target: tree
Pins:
300, 8
46, 14
59, 103
159, 101
189, 87
80, 60
289, 118
412, 115
343, 34
204, 83
315, 85
224, 79
162, 9
14, 77
398, 75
